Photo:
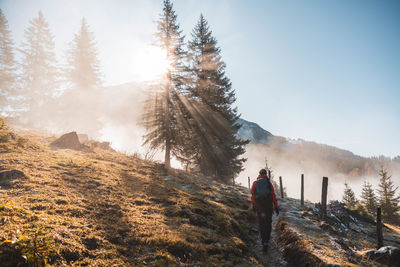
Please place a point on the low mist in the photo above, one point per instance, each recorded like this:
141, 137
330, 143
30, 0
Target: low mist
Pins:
113, 114
291, 162
106, 114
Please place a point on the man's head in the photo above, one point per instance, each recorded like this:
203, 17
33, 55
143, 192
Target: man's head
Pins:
263, 172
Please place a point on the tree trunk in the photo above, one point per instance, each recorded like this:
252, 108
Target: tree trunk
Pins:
167, 124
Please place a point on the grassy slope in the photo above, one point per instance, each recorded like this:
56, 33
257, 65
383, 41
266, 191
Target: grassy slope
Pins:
106, 208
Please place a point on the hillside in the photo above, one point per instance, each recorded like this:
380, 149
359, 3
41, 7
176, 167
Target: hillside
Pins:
106, 208
103, 208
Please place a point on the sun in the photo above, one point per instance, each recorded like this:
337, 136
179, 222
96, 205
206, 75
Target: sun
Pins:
150, 63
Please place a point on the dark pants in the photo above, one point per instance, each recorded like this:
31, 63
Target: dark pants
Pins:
264, 214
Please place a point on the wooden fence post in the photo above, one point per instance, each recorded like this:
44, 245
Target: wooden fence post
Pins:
379, 228
248, 179
280, 184
324, 196
302, 190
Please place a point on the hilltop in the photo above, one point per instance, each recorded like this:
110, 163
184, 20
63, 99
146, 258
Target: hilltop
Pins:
99, 207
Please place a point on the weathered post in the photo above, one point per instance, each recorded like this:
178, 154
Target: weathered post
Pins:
280, 184
248, 179
324, 196
379, 228
302, 190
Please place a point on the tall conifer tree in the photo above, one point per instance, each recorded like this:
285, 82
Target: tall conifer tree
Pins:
368, 198
83, 78
7, 63
83, 70
162, 110
212, 95
387, 198
349, 198
39, 70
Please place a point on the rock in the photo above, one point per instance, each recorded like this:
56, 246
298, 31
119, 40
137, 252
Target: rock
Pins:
102, 145
94, 182
69, 141
6, 177
388, 255
91, 243
105, 146
83, 138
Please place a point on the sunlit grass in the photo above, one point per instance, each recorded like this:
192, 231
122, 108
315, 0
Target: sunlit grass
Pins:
107, 208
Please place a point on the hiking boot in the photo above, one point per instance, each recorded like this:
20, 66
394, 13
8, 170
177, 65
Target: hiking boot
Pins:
265, 247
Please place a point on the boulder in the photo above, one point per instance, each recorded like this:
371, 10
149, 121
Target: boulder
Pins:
388, 255
68, 141
102, 145
83, 138
6, 177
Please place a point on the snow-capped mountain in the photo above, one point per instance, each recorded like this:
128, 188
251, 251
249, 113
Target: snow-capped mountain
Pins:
253, 132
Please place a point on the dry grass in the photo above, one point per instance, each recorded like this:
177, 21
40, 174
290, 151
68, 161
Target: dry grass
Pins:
104, 208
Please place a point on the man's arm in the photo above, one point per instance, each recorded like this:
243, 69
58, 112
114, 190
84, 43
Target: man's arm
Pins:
253, 190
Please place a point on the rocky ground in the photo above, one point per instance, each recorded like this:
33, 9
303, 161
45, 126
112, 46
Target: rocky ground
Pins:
344, 238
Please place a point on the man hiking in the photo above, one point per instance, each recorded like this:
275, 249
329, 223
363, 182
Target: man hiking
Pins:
262, 197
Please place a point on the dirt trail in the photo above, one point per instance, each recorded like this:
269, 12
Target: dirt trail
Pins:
273, 257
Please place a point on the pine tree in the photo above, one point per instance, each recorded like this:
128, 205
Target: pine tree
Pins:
211, 98
39, 71
387, 197
83, 70
368, 198
349, 197
7, 63
82, 76
163, 110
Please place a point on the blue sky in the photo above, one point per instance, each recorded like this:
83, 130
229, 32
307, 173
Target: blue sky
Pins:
324, 71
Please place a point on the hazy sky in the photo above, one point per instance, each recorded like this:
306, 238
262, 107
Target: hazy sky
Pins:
324, 71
